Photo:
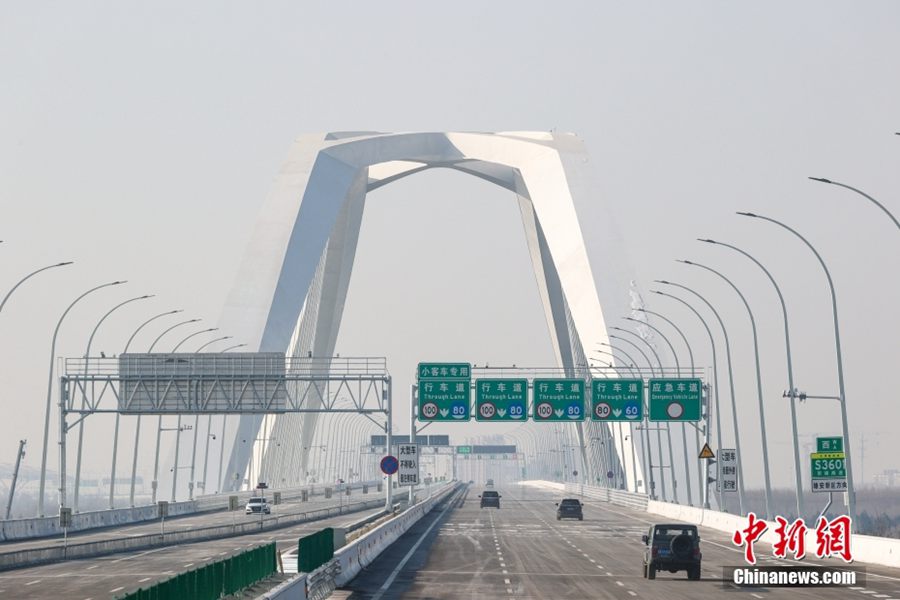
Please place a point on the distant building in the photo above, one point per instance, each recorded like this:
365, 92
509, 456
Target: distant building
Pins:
888, 478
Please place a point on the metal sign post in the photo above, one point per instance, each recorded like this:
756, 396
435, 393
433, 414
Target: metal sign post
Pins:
163, 509
65, 521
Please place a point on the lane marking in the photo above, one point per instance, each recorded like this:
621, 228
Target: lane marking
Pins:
632, 593
390, 580
144, 579
118, 589
93, 566
506, 581
33, 582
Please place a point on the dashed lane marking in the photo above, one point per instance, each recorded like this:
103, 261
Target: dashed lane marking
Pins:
118, 589
144, 579
33, 582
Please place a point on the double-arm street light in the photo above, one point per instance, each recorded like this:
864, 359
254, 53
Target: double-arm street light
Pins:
851, 490
62, 457
798, 477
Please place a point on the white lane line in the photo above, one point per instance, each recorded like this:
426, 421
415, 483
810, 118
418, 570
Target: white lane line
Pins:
505, 572
502, 564
188, 565
632, 593
144, 579
506, 581
509, 590
93, 566
118, 589
390, 580
33, 582
755, 595
620, 583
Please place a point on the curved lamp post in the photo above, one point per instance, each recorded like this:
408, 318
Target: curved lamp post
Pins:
700, 475
687, 468
62, 456
762, 416
137, 429
646, 424
861, 193
734, 418
87, 354
27, 277
851, 490
219, 339
798, 476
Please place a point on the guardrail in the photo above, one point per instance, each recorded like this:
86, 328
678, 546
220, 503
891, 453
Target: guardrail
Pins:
353, 557
618, 497
50, 554
39, 527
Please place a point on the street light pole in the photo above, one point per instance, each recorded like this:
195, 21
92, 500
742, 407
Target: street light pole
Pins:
712, 344
219, 339
798, 476
137, 428
861, 193
851, 490
659, 427
734, 417
50, 395
687, 468
662, 477
159, 428
762, 416
700, 475
87, 354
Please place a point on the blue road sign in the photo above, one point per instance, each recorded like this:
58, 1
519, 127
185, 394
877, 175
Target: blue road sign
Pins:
389, 465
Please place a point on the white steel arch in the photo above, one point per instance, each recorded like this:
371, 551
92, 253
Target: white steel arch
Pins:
292, 284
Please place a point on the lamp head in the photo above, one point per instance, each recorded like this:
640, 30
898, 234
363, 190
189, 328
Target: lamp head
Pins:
118, 282
660, 281
707, 240
147, 296
62, 264
821, 179
747, 214
686, 262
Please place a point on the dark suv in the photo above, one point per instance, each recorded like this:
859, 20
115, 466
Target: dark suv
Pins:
569, 508
672, 548
490, 499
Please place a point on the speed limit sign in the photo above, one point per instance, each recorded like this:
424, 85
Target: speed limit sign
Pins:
430, 410
487, 410
602, 410
544, 410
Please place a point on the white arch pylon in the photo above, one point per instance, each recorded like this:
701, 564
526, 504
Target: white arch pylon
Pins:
292, 284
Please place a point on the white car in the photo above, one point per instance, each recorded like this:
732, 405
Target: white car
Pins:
257, 504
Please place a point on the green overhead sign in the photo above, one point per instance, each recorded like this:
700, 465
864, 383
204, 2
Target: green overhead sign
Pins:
501, 399
617, 399
674, 399
558, 400
829, 444
444, 393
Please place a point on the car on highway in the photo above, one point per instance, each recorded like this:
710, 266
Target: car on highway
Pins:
257, 504
569, 508
672, 547
490, 483
490, 498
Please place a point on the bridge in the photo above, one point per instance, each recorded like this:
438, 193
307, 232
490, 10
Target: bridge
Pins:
622, 423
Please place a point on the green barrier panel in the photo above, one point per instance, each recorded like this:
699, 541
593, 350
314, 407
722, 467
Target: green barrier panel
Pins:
315, 550
212, 581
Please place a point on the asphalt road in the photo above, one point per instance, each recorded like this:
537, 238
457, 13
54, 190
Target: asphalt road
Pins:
110, 576
522, 551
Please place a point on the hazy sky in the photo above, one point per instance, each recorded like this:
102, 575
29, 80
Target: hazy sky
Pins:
139, 139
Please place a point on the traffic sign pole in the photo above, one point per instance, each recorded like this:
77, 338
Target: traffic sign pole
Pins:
389, 431
412, 433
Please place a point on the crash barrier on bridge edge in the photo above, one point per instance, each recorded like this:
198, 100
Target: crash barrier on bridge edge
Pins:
618, 497
315, 549
38, 527
214, 580
866, 548
56, 553
353, 557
